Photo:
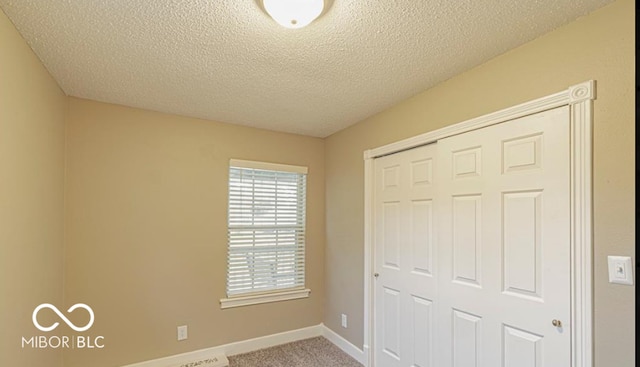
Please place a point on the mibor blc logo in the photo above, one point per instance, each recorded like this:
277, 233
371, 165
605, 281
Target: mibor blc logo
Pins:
63, 341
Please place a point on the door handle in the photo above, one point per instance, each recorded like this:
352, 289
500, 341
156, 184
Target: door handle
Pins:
556, 323
376, 275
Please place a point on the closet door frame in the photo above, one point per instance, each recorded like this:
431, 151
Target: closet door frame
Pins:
580, 99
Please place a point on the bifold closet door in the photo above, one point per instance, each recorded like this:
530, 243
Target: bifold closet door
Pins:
503, 235
405, 287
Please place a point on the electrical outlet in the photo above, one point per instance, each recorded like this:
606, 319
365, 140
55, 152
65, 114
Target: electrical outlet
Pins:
182, 332
344, 321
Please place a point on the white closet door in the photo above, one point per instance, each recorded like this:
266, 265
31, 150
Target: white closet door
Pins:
405, 288
472, 249
503, 237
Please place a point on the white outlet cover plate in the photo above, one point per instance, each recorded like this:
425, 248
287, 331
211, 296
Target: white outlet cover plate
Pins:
620, 270
182, 332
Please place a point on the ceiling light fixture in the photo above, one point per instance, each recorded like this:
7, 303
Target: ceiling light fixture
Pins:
294, 13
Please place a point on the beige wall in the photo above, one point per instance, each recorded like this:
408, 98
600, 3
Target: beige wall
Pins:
146, 215
32, 113
599, 46
146, 200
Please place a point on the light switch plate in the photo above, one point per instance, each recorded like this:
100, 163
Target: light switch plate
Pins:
620, 270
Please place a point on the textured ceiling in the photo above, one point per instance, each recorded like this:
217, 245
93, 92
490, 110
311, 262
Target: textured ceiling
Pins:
226, 60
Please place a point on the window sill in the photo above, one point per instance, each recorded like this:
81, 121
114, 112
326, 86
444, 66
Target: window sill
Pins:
255, 299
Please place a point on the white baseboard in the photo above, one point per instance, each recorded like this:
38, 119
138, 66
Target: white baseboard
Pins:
344, 344
231, 349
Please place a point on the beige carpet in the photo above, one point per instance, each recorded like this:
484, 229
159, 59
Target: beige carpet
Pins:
314, 352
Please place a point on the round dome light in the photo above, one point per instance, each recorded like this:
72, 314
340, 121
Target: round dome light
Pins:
294, 13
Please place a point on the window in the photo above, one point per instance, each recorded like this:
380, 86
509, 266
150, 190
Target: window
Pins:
266, 233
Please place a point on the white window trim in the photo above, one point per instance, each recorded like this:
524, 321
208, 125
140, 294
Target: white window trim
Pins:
268, 166
254, 299
274, 295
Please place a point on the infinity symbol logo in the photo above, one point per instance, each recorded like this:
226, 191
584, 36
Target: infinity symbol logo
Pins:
66, 320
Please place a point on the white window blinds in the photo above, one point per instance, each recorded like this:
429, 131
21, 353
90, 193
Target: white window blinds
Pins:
267, 205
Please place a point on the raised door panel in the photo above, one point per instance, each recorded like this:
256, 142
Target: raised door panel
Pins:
467, 239
522, 243
422, 237
390, 219
422, 325
391, 323
521, 348
467, 339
